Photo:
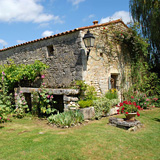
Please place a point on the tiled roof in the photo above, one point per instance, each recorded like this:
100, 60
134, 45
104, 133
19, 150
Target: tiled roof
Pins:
67, 32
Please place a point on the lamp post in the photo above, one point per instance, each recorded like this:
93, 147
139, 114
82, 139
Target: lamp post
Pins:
88, 41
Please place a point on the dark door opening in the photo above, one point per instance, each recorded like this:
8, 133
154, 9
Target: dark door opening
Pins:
28, 100
59, 105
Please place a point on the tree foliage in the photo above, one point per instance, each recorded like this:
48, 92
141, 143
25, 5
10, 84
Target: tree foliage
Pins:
147, 13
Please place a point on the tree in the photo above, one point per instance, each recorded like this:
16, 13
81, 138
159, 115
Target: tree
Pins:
147, 13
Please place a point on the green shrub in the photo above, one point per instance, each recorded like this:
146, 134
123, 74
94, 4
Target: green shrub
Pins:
87, 92
85, 103
90, 93
101, 106
111, 94
15, 73
3, 113
114, 102
68, 118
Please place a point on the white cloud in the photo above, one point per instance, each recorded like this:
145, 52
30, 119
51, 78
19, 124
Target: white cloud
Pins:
24, 11
117, 15
76, 2
3, 42
89, 17
47, 33
20, 41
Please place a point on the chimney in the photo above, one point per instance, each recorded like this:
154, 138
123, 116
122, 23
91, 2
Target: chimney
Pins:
95, 22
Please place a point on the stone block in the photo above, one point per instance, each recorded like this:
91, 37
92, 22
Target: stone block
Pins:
88, 113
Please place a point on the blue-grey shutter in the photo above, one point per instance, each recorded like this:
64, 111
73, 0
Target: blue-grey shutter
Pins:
109, 82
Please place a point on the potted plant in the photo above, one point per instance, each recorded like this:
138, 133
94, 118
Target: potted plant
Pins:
130, 109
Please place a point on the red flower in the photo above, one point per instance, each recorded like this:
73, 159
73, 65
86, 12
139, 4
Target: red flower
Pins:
126, 112
138, 114
132, 97
138, 107
104, 28
134, 103
121, 104
122, 108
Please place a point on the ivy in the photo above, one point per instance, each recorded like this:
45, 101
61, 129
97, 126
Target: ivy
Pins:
136, 46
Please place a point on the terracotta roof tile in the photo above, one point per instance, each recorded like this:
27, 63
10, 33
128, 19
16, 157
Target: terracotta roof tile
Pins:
67, 32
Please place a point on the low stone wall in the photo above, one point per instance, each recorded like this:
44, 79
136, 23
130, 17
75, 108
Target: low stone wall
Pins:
69, 95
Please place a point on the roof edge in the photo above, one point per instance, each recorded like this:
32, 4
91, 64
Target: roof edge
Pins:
64, 33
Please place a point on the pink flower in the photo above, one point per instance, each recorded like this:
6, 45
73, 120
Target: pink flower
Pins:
43, 84
51, 96
147, 99
0, 117
8, 119
132, 97
2, 78
3, 73
21, 92
22, 98
48, 96
15, 94
42, 76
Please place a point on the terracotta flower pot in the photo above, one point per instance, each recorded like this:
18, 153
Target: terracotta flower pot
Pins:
131, 116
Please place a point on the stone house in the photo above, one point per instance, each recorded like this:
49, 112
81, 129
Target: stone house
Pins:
66, 56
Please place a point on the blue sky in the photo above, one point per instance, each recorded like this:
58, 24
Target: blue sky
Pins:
26, 20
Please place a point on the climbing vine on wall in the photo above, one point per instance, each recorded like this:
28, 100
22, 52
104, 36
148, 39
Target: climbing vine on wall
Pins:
136, 54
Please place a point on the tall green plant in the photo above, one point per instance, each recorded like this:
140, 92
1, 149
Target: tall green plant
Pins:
17, 72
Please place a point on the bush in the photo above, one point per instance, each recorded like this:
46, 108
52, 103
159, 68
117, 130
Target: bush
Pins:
85, 103
111, 94
101, 107
21, 106
3, 113
68, 118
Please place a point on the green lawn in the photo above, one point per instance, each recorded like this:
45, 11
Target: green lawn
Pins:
21, 140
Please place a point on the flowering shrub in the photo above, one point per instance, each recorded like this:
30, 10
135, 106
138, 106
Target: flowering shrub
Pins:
45, 101
128, 107
21, 105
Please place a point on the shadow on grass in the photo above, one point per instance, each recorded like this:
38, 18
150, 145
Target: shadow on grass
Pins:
156, 119
1, 127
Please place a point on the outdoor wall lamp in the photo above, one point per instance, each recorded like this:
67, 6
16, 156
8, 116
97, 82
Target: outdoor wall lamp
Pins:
88, 41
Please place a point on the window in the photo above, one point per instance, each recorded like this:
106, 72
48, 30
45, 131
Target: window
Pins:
113, 81
50, 51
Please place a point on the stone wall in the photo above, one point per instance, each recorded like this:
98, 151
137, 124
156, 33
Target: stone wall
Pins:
105, 61
66, 57
64, 61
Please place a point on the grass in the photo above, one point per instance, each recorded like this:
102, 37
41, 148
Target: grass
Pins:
32, 139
